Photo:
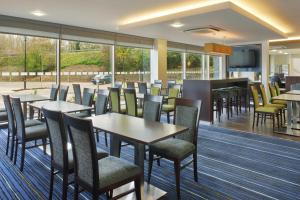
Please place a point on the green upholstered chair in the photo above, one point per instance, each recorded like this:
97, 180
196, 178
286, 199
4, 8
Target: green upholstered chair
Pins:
170, 106
115, 101
263, 111
273, 93
93, 175
131, 103
277, 88
25, 134
130, 85
155, 91
183, 145
118, 84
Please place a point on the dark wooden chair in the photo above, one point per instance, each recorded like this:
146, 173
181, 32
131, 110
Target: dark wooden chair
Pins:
100, 109
63, 92
142, 87
152, 107
130, 85
118, 84
95, 176
26, 134
87, 100
177, 149
77, 93
131, 103
115, 101
53, 92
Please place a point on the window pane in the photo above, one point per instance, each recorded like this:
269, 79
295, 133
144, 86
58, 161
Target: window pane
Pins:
174, 66
193, 66
215, 67
12, 54
132, 64
85, 63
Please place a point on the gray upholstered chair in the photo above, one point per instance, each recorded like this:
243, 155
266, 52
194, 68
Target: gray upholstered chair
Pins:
87, 100
158, 82
12, 125
26, 134
130, 85
171, 83
142, 87
53, 92
63, 92
98, 176
295, 86
100, 109
61, 151
77, 92
152, 107
3, 115
118, 84
187, 113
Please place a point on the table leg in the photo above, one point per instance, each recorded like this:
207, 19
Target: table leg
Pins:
25, 110
289, 113
139, 156
31, 112
115, 145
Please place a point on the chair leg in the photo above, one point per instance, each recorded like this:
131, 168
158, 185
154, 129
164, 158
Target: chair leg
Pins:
51, 182
278, 122
177, 175
253, 120
195, 166
95, 196
168, 117
22, 157
106, 142
12, 147
150, 163
97, 136
137, 185
273, 118
65, 185
44, 145
257, 120
7, 142
76, 190
16, 151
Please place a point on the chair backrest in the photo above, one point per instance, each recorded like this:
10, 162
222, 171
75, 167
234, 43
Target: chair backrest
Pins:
152, 107
178, 86
63, 92
187, 113
58, 137
103, 91
173, 93
53, 92
101, 104
114, 97
130, 85
159, 85
84, 150
118, 84
295, 86
255, 96
10, 114
158, 82
88, 96
18, 113
277, 88
131, 102
272, 89
142, 87
263, 94
171, 83
155, 91
77, 92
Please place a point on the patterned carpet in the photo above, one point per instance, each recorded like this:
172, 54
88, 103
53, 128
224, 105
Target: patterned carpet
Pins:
232, 165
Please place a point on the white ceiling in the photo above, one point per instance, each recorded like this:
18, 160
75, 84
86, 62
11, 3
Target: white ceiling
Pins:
107, 15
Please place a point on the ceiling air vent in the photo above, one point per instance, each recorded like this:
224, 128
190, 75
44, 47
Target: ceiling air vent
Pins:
204, 30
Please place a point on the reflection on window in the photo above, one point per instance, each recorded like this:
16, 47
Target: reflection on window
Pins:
193, 66
132, 64
174, 66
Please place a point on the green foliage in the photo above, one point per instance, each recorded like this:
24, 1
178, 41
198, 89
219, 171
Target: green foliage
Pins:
174, 60
193, 61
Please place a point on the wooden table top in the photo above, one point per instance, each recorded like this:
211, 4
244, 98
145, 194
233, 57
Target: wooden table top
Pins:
30, 97
287, 97
63, 106
293, 92
134, 128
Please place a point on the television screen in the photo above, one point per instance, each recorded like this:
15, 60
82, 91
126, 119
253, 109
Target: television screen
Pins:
243, 57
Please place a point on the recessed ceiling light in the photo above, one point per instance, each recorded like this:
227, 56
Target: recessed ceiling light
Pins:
274, 50
177, 25
280, 52
38, 13
286, 53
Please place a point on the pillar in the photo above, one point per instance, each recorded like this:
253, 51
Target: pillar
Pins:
158, 61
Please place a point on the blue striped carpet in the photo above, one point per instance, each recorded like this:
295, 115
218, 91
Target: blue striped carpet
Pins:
232, 165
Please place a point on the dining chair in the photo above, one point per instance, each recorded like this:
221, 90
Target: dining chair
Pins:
130, 85
183, 145
158, 82
171, 83
170, 106
131, 103
53, 92
277, 88
142, 87
295, 86
61, 151
115, 101
63, 92
87, 100
98, 176
26, 134
100, 109
273, 93
77, 93
118, 84
179, 87
262, 111
12, 125
152, 107
155, 91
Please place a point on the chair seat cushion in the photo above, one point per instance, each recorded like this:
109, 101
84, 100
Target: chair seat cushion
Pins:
172, 148
283, 102
266, 109
168, 107
32, 122
113, 170
36, 132
3, 116
279, 106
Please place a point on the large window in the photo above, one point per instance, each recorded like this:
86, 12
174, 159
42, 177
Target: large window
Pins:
174, 66
132, 64
215, 67
85, 63
193, 66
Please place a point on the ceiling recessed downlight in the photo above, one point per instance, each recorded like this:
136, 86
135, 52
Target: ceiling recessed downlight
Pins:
177, 24
286, 53
38, 13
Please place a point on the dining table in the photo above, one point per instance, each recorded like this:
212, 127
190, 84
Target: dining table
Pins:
293, 92
62, 106
29, 98
139, 133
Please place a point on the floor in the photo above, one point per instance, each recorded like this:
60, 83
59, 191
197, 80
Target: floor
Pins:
231, 165
243, 122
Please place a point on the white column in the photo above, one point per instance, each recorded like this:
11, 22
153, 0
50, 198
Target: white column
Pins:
203, 66
207, 70
112, 64
58, 61
265, 68
222, 65
183, 61
153, 65
158, 61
